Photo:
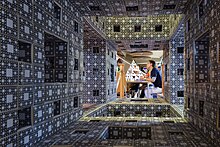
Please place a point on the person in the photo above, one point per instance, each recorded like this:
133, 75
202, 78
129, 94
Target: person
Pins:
160, 71
154, 77
134, 86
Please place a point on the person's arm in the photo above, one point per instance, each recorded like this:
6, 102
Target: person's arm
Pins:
153, 76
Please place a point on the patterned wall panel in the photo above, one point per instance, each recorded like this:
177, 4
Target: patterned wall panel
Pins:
154, 27
174, 68
30, 107
100, 67
202, 67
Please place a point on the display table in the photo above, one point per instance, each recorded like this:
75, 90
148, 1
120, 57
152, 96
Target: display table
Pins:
140, 82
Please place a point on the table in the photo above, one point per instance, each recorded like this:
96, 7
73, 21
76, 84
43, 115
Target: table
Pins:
141, 82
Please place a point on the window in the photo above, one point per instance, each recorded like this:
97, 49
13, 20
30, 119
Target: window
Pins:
24, 117
25, 52
76, 27
95, 50
57, 11
137, 28
95, 92
56, 107
112, 55
108, 92
180, 72
201, 107
108, 71
180, 93
108, 52
158, 28
116, 28
180, 50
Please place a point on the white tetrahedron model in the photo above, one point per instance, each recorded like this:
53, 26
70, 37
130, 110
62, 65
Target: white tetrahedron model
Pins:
133, 72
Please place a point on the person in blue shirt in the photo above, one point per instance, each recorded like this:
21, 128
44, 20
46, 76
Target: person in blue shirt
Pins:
153, 77
160, 70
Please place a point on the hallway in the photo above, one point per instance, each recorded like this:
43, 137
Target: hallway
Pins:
66, 66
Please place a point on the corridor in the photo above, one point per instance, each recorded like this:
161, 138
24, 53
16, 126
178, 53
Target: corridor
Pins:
82, 73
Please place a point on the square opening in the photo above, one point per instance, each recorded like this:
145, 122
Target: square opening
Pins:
159, 114
24, 117
95, 92
57, 107
137, 28
55, 59
97, 19
180, 71
201, 108
95, 71
132, 8
94, 8
116, 28
81, 131
188, 103
180, 93
180, 50
176, 133
25, 52
76, 64
57, 12
218, 118
201, 8
158, 28
95, 50
169, 7
117, 113
76, 27
112, 73
169, 121
76, 102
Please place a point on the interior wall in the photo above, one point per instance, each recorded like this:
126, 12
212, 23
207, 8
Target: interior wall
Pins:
31, 108
174, 66
101, 79
202, 67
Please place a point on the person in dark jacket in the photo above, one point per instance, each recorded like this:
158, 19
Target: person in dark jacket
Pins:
153, 77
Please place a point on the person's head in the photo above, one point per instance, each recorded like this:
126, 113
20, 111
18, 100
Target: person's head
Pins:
151, 64
159, 67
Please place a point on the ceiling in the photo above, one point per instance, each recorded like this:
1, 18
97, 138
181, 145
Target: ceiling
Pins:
129, 7
141, 48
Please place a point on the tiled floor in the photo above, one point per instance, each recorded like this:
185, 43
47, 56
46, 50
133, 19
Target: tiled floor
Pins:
134, 131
